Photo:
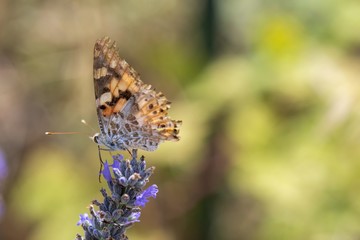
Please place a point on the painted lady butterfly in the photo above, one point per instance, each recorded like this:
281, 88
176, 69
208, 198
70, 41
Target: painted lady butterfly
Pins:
131, 114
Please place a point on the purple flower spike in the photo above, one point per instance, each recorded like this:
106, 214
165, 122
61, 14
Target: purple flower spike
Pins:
106, 172
120, 208
142, 198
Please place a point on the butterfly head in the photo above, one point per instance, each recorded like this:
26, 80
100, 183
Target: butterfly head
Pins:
102, 140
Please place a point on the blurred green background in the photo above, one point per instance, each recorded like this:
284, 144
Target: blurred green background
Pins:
268, 92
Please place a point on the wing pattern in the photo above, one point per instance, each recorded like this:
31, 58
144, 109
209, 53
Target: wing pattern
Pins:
131, 114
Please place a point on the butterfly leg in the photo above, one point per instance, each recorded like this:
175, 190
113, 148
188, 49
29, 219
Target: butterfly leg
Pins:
129, 152
101, 163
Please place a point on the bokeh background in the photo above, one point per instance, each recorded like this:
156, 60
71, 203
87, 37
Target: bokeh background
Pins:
268, 92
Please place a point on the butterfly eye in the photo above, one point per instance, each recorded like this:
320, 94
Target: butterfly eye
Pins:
95, 138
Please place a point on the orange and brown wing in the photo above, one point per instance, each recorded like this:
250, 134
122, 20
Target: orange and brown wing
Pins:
114, 80
118, 85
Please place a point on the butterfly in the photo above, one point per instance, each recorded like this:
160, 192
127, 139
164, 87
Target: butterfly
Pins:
131, 114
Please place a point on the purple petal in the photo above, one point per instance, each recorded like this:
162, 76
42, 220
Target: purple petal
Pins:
117, 173
118, 157
142, 198
134, 217
83, 218
116, 164
106, 172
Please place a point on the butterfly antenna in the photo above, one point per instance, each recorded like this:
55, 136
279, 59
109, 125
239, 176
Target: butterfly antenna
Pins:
86, 124
61, 133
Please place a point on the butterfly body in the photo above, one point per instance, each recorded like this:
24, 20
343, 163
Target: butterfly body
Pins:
131, 114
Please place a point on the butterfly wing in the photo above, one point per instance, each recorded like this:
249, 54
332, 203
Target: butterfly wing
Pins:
130, 113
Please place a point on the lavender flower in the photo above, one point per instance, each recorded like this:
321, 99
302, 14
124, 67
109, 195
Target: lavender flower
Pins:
121, 209
3, 175
142, 198
83, 218
3, 166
